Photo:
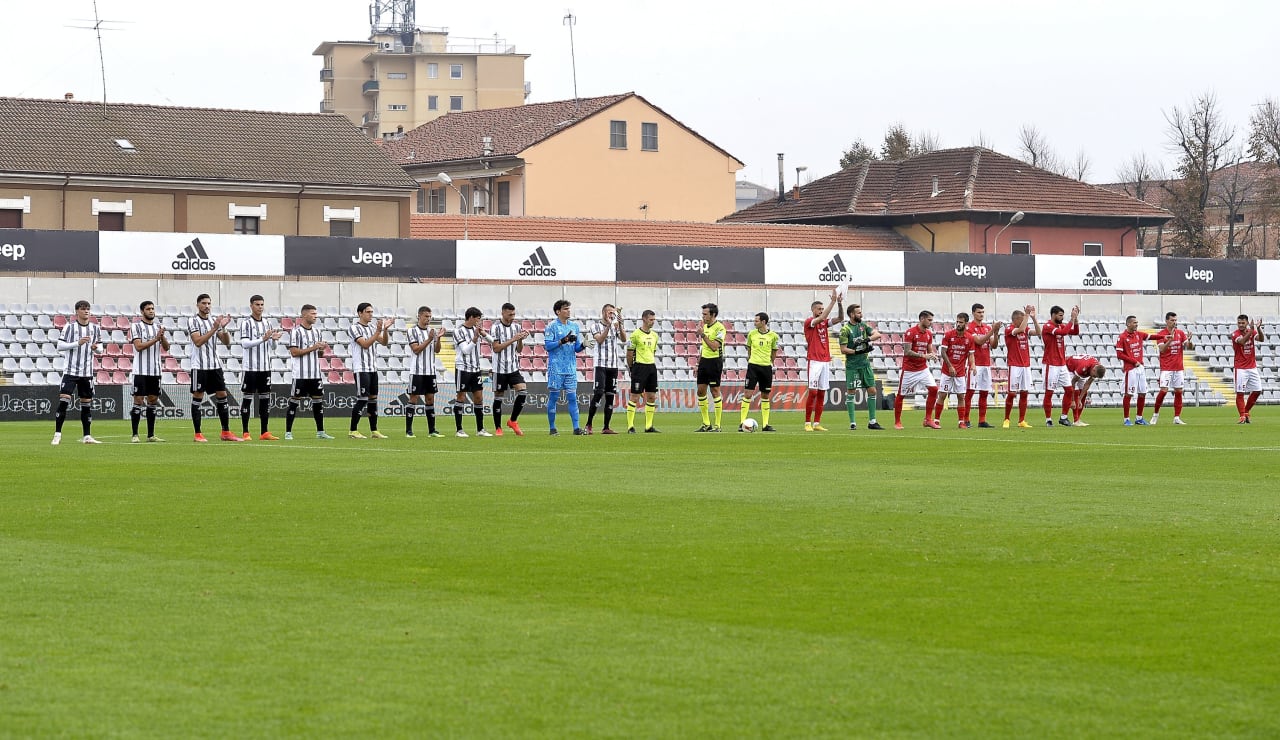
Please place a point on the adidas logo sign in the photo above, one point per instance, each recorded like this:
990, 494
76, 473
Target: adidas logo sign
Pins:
194, 258
538, 265
1097, 277
834, 272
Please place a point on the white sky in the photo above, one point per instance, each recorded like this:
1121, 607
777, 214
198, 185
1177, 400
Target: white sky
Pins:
755, 77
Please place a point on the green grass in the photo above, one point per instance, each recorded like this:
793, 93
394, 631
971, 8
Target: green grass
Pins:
929, 583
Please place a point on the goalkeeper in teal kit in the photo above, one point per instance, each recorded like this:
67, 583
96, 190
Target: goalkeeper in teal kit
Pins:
563, 340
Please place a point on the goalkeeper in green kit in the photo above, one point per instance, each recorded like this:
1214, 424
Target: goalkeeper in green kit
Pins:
856, 340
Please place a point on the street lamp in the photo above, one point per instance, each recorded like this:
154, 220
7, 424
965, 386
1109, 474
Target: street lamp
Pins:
799, 170
1015, 219
466, 207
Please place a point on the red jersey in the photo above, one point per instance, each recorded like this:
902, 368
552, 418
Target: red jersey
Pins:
981, 352
1246, 358
1082, 365
817, 340
917, 340
956, 347
1129, 348
1055, 341
1171, 357
1017, 347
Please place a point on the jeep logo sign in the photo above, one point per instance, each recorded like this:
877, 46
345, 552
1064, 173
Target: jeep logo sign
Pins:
13, 252
29, 250
649, 263
362, 257
358, 257
1183, 275
973, 271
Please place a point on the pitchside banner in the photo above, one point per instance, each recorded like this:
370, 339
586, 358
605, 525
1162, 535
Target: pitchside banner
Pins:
385, 258
970, 271
27, 250
191, 254
1059, 272
833, 267
585, 262
1179, 275
1268, 276
641, 263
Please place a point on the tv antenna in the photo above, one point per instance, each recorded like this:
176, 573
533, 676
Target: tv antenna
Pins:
571, 20
98, 27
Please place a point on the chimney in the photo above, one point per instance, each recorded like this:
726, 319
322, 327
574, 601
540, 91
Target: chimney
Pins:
935, 192
68, 96
795, 192
782, 186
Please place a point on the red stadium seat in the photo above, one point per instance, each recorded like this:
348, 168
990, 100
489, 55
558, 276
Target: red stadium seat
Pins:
183, 377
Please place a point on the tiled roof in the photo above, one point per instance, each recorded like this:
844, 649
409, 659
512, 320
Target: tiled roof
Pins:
675, 233
456, 136
1251, 176
79, 138
971, 179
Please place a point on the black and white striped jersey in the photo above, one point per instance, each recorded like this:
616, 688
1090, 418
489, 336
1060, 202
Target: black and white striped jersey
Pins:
305, 367
424, 362
257, 349
466, 343
146, 362
361, 357
506, 360
79, 356
612, 352
206, 357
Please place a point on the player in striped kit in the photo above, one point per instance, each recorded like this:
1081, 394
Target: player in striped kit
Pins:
80, 340
365, 332
467, 339
258, 338
424, 343
206, 366
610, 352
148, 338
507, 340
305, 347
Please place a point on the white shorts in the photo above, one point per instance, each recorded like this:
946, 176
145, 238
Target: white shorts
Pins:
915, 380
1171, 379
1019, 379
1056, 377
980, 378
1078, 382
1248, 381
954, 384
1135, 382
819, 375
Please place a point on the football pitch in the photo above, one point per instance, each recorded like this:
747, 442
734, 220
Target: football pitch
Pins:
988, 583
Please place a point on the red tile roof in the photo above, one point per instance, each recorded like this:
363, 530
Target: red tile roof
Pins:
1252, 175
675, 233
971, 179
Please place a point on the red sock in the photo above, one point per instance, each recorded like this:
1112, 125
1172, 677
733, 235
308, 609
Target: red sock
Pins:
897, 409
930, 400
1048, 404
1159, 401
937, 408
982, 406
1008, 405
1068, 396
1127, 400
1142, 403
819, 400
1022, 407
1253, 398
808, 407
968, 402
1177, 403
1240, 403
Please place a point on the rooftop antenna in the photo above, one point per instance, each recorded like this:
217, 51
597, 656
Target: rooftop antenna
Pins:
393, 16
97, 28
571, 20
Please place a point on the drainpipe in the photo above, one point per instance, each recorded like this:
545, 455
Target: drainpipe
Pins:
1122, 236
933, 238
984, 237
67, 184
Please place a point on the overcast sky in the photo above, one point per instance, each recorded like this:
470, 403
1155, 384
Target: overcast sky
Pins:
757, 78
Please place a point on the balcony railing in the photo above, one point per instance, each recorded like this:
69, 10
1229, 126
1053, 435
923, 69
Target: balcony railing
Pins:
326, 74
370, 86
369, 118
326, 106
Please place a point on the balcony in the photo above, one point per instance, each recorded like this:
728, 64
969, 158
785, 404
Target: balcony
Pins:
369, 118
370, 87
326, 74
326, 106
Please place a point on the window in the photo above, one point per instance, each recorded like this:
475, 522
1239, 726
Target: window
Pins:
342, 228
1091, 249
617, 134
455, 71
455, 102
1237, 218
110, 221
435, 200
504, 197
10, 218
422, 200
433, 70
649, 137
397, 106
464, 201
246, 225
1020, 247
397, 75
433, 102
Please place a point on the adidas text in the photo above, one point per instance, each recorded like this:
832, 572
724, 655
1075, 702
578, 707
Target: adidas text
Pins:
1097, 282
542, 270
187, 263
833, 277
14, 252
362, 257
1204, 276
978, 271
684, 263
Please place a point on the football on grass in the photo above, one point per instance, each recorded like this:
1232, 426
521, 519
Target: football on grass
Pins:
750, 425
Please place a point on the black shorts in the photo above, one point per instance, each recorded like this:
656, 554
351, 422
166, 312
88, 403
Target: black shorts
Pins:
146, 385
709, 370
305, 388
423, 385
366, 384
760, 375
606, 379
208, 381
469, 382
81, 385
503, 381
644, 379
255, 381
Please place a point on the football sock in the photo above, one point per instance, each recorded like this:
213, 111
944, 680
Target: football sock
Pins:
264, 412
871, 406
457, 414
850, 406
409, 412
764, 412
631, 414
719, 409
968, 401
1177, 403
373, 416
744, 409
929, 402
356, 412
1008, 406
819, 399
317, 412
497, 412
1253, 398
195, 415
596, 395
290, 414
1068, 396
1048, 404
937, 410
808, 407
246, 407
982, 406
151, 419
518, 406
431, 418
1142, 403
1022, 407
553, 398
648, 415
608, 409
571, 397
86, 417
135, 417
1159, 401
224, 414
897, 409
1239, 403
478, 409
702, 409
61, 414
1125, 404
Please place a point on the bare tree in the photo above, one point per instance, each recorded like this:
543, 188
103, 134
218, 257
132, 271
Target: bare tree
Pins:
1079, 168
1035, 149
1231, 189
983, 141
1198, 134
1140, 178
1264, 132
927, 141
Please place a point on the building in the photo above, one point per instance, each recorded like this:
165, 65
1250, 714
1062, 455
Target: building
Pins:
969, 200
613, 157
748, 194
78, 165
385, 85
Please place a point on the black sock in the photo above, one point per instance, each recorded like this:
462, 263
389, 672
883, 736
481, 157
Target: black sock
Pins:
224, 414
518, 406
151, 419
61, 414
608, 409
135, 417
264, 411
289, 415
595, 401
457, 414
373, 416
356, 411
431, 419
409, 410
246, 410
195, 414
86, 416
478, 409
497, 413
317, 411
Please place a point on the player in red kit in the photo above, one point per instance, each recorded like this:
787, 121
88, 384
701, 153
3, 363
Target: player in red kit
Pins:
1084, 370
1129, 349
817, 340
957, 362
1171, 342
1244, 341
985, 338
1017, 342
1054, 334
917, 350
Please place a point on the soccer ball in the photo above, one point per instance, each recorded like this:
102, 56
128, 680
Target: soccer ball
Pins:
750, 425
